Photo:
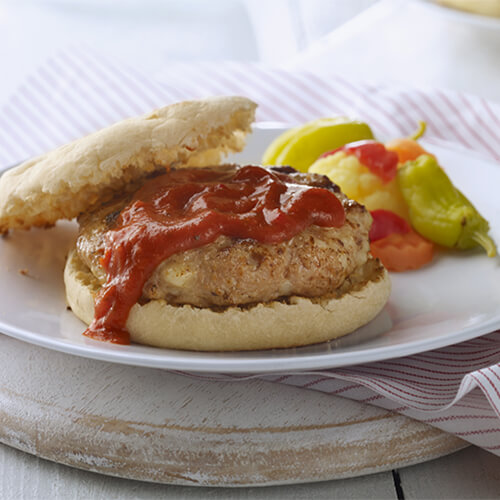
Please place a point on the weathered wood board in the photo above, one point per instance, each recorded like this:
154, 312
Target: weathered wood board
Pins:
152, 425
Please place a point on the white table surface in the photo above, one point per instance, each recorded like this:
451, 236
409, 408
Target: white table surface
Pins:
396, 40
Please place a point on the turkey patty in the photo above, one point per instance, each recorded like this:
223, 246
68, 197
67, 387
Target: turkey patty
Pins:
231, 271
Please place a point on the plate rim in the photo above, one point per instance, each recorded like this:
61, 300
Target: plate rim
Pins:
242, 366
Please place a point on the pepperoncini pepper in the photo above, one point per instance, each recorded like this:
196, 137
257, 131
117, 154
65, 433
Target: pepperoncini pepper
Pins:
300, 147
439, 211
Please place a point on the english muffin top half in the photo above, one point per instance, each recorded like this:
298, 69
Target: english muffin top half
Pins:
71, 179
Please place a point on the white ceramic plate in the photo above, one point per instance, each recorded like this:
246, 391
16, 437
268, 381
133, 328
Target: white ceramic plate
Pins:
456, 298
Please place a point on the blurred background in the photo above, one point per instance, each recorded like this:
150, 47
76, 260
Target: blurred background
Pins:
405, 41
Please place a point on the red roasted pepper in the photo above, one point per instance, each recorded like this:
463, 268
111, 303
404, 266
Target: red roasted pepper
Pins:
395, 243
374, 156
386, 223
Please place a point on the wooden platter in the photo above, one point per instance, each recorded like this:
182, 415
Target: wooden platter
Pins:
155, 426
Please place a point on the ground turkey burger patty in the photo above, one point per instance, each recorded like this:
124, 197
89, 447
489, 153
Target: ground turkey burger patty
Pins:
231, 271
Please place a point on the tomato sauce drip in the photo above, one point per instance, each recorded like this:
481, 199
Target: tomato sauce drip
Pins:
187, 208
374, 156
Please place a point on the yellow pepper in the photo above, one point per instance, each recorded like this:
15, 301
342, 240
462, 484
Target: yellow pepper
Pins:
299, 147
358, 183
438, 210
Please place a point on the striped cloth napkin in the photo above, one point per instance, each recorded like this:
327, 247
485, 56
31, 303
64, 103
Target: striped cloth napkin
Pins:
457, 388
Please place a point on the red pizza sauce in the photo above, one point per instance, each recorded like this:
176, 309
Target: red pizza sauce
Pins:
187, 208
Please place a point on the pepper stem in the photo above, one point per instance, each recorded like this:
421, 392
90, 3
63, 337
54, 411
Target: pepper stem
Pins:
486, 242
420, 132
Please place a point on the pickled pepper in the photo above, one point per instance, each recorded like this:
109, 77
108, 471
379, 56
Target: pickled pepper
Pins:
438, 210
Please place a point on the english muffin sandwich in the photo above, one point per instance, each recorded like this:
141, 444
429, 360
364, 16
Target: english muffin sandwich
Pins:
177, 250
